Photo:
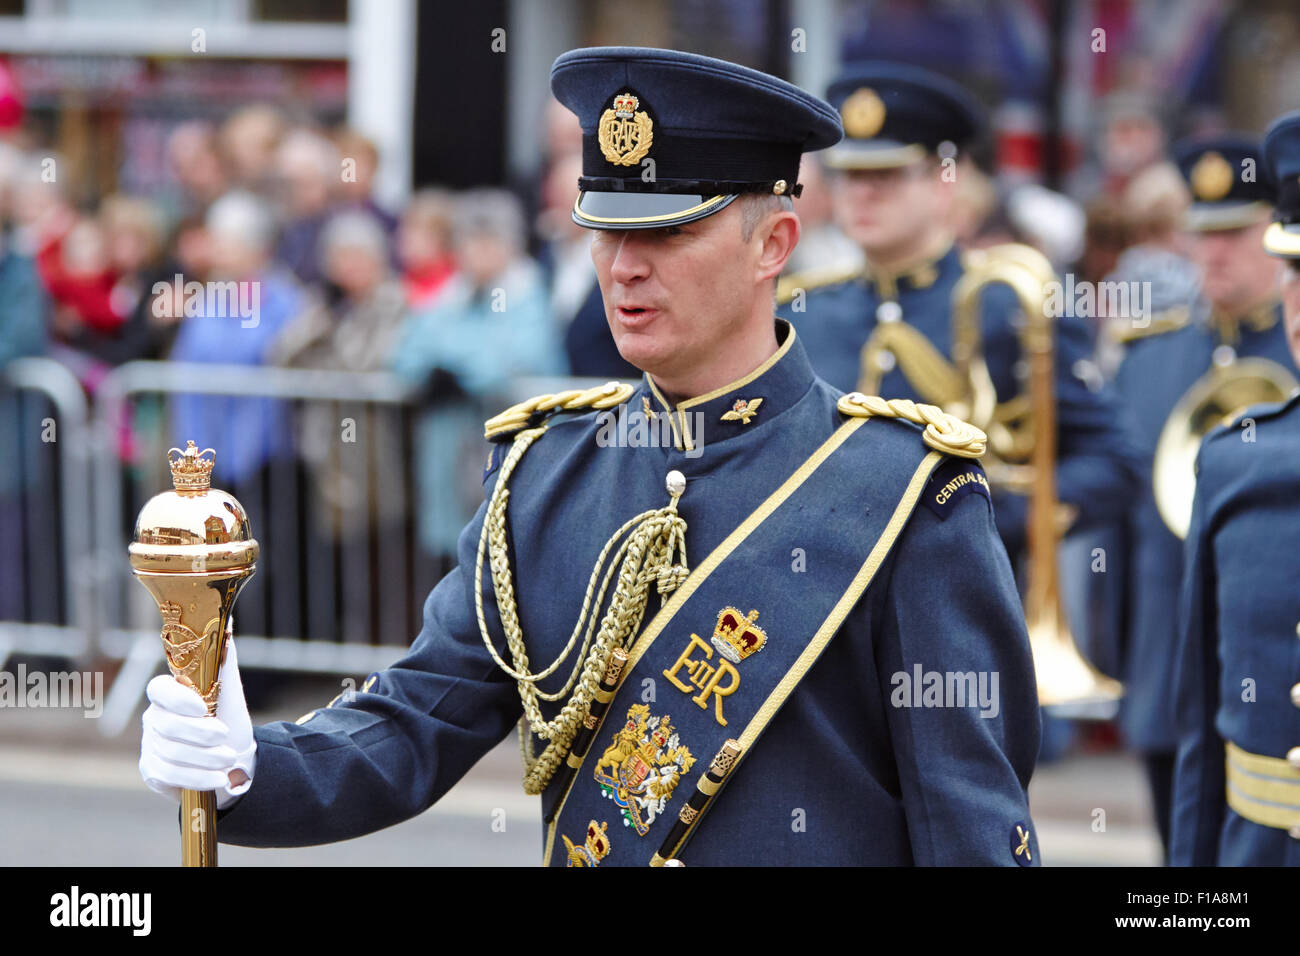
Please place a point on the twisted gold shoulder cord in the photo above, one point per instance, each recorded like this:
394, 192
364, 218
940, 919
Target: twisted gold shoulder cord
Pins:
943, 431
649, 542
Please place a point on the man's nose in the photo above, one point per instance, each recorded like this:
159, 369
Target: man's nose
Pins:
630, 260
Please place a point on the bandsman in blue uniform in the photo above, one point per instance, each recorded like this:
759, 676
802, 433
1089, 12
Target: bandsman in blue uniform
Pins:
1164, 358
887, 328
739, 616
1237, 783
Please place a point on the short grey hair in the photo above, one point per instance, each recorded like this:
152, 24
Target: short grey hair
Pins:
490, 212
353, 229
243, 217
755, 207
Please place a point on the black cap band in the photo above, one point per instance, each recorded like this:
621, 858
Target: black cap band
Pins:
703, 158
1288, 200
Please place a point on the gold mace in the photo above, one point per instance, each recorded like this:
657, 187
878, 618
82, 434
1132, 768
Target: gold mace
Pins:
193, 551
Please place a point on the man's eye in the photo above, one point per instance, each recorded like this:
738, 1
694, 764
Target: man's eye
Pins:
674, 231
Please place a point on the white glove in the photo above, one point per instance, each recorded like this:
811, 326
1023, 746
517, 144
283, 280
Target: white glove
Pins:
182, 748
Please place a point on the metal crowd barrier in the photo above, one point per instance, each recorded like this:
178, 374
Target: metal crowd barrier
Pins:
44, 512
339, 589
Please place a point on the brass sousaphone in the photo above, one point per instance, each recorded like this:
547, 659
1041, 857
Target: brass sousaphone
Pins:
1230, 386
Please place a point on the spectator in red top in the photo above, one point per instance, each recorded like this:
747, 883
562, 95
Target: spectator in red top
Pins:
424, 246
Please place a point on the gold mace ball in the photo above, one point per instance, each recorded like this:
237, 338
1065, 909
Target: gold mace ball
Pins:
194, 551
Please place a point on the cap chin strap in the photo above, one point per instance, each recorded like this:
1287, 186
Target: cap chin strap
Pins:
700, 187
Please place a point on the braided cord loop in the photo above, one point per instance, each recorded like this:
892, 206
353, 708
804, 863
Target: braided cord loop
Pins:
943, 432
638, 554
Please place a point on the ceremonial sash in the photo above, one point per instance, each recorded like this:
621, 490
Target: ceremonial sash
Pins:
728, 646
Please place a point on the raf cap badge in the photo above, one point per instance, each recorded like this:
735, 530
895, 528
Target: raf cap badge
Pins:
1211, 177
863, 113
625, 132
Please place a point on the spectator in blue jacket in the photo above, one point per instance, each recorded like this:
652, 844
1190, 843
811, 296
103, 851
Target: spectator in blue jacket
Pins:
491, 324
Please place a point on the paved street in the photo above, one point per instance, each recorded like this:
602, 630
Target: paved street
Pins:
71, 797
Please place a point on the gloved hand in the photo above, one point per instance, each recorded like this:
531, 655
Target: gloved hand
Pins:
182, 748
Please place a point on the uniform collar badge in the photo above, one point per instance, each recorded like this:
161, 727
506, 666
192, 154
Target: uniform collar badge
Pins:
742, 410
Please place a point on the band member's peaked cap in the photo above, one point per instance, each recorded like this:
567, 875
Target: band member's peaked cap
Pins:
1230, 184
896, 113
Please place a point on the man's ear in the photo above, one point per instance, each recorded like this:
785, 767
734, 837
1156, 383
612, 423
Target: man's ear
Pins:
780, 235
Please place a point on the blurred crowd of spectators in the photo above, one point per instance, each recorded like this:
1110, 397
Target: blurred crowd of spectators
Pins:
455, 292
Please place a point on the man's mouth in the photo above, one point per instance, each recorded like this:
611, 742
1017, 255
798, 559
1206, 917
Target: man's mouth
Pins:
634, 315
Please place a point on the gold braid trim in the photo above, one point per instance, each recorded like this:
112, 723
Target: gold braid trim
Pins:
943, 432
519, 416
1170, 320
644, 556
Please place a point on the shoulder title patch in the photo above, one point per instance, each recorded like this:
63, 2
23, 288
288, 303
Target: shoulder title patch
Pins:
952, 481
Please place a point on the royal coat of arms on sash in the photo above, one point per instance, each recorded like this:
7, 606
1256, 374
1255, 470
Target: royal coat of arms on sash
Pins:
642, 766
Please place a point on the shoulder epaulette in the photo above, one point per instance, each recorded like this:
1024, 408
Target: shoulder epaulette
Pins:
536, 410
787, 286
943, 432
1170, 320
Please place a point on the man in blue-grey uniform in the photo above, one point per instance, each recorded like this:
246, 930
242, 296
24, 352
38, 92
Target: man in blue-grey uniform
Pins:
1238, 318
739, 617
887, 329
1237, 783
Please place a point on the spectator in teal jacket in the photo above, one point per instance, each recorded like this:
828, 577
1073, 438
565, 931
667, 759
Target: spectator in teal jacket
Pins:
23, 306
492, 323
